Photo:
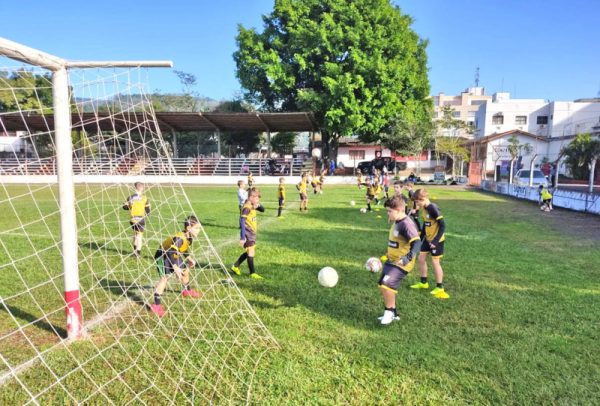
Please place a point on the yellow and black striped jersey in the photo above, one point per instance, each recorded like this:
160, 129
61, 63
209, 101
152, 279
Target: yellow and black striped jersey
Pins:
281, 193
138, 205
371, 190
431, 215
303, 185
249, 214
402, 234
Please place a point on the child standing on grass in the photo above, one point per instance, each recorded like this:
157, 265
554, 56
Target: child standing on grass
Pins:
402, 251
302, 187
545, 198
139, 207
248, 231
433, 237
370, 195
242, 194
281, 196
360, 179
386, 184
171, 258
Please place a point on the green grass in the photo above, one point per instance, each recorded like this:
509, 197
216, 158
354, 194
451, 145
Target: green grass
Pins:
521, 326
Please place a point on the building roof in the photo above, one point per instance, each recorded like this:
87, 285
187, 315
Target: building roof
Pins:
167, 121
492, 137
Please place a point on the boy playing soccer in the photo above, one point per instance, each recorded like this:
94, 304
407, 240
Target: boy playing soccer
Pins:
138, 206
171, 257
370, 195
302, 186
242, 194
545, 198
281, 196
432, 235
402, 251
250, 180
360, 180
248, 232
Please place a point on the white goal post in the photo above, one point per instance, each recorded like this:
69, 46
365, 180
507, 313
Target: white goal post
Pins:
64, 160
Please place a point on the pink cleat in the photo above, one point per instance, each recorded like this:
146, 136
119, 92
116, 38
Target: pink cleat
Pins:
158, 310
190, 293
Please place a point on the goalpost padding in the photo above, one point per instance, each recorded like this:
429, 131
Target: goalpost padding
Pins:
202, 351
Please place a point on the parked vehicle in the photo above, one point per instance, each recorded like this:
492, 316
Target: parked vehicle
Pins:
521, 178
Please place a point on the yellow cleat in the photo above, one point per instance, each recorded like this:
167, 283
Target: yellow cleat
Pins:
441, 295
256, 276
436, 291
420, 285
235, 270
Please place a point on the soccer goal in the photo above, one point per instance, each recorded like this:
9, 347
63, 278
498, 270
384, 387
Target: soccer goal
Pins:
75, 326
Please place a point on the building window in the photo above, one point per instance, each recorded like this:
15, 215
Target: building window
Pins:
477, 102
498, 119
520, 120
542, 119
357, 154
456, 114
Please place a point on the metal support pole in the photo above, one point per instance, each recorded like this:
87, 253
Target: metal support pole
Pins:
219, 143
174, 134
531, 164
229, 161
268, 144
592, 170
68, 221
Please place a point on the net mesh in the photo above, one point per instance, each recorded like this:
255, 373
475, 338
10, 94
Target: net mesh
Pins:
203, 350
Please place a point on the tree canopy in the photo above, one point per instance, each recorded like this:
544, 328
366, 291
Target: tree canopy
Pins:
579, 155
355, 64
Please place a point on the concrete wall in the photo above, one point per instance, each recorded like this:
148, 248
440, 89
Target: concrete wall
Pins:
568, 199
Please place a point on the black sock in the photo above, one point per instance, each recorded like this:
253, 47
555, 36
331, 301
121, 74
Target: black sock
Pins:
369, 206
251, 264
279, 212
439, 285
241, 259
391, 309
423, 279
156, 298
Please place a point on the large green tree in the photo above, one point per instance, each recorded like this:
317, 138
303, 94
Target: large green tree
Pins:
356, 64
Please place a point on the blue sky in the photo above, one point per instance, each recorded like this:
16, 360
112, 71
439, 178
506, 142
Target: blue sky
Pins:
532, 48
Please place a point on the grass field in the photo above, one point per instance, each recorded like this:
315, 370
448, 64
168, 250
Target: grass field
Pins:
521, 326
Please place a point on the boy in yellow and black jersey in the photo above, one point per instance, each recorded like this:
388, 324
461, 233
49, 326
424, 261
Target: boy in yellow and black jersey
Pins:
302, 187
281, 196
402, 251
370, 195
433, 237
173, 257
545, 198
360, 180
139, 207
248, 231
411, 207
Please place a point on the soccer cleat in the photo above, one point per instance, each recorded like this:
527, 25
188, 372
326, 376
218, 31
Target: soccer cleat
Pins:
388, 317
157, 309
441, 295
420, 285
190, 293
255, 276
436, 291
235, 270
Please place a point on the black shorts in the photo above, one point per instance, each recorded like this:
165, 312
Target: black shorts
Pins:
547, 201
249, 243
391, 277
303, 196
138, 225
163, 265
438, 252
370, 197
281, 202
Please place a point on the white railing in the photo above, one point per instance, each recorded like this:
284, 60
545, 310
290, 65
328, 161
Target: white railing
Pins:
157, 166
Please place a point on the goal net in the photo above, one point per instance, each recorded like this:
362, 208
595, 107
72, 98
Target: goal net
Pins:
203, 350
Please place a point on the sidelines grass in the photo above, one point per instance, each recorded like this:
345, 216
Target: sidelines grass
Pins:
521, 326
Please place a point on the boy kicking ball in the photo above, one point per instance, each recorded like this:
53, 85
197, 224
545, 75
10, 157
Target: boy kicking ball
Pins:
403, 248
171, 258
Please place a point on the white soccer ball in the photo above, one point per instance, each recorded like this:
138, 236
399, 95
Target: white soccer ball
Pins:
373, 265
352, 203
363, 210
316, 153
328, 277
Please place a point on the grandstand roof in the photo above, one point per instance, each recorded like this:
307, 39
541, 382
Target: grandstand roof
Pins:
181, 122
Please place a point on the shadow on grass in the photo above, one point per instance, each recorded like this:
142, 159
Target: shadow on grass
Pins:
125, 289
34, 321
95, 246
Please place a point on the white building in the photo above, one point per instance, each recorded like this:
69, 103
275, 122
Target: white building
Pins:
465, 107
546, 126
